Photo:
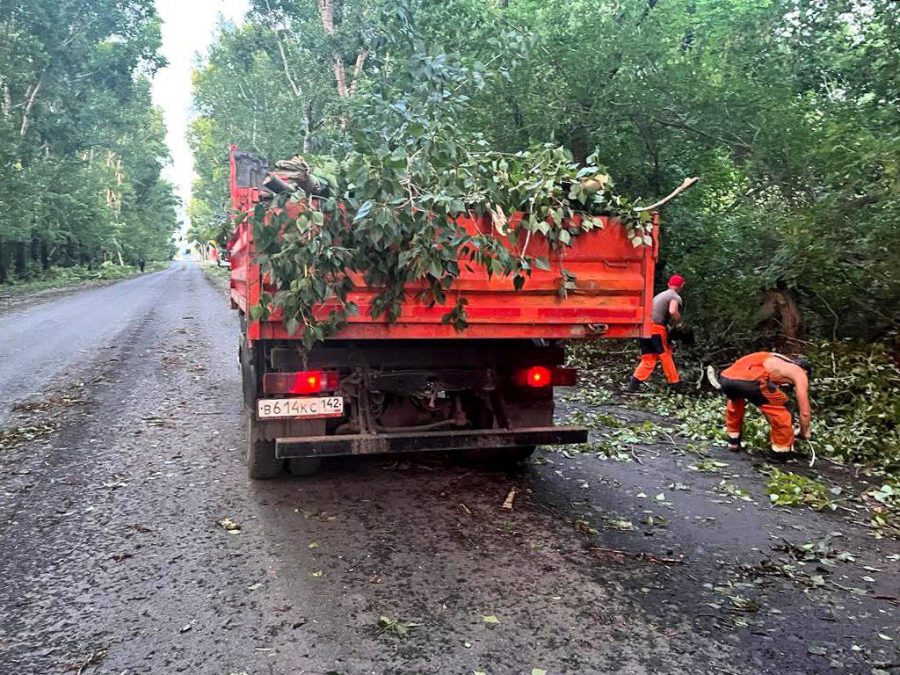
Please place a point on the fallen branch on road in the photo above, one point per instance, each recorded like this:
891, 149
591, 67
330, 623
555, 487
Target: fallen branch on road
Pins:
638, 555
893, 599
508, 502
95, 658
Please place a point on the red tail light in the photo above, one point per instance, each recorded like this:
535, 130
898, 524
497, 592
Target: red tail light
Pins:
538, 377
302, 382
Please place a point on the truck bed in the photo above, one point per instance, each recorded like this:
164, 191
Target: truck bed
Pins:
611, 297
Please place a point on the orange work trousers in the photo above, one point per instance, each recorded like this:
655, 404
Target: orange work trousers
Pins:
771, 401
653, 349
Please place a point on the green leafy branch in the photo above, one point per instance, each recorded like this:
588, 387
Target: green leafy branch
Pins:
394, 221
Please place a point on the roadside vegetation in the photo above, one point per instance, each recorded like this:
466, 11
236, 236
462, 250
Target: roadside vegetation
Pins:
851, 465
81, 145
217, 275
785, 110
856, 398
63, 277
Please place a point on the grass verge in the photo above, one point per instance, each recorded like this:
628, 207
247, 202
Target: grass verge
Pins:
67, 277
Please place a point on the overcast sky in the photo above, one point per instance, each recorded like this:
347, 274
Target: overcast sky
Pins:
188, 28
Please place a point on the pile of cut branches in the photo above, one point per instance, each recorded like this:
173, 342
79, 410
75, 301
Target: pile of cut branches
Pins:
391, 216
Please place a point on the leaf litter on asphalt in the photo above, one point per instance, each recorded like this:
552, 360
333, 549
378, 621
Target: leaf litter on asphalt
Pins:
229, 526
395, 626
95, 658
621, 524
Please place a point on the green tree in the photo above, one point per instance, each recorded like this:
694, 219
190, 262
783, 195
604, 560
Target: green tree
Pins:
81, 147
786, 109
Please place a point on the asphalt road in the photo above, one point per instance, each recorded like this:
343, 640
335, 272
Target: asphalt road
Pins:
126, 454
48, 342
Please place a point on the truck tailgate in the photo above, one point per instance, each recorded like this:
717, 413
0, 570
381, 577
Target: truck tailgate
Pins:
609, 297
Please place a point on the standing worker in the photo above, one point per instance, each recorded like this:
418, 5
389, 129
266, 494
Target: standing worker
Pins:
666, 309
141, 264
759, 378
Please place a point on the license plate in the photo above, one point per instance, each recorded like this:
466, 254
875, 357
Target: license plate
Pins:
277, 408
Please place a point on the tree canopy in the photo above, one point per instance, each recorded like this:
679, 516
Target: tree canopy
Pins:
81, 145
786, 109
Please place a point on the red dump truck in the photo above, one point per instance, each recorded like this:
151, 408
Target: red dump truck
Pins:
417, 384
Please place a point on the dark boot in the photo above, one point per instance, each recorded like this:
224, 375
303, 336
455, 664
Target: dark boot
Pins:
679, 387
633, 386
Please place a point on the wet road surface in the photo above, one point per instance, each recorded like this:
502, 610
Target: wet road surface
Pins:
113, 560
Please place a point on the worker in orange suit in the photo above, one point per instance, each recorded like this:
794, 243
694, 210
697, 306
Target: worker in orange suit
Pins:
666, 309
761, 378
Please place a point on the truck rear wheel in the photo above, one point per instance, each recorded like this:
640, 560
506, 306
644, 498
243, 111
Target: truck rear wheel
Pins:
261, 460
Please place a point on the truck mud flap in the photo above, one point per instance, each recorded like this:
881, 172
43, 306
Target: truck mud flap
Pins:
469, 439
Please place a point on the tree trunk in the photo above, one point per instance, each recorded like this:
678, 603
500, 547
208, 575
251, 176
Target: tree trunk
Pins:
71, 251
29, 104
782, 315
579, 145
21, 259
6, 103
307, 125
45, 256
4, 276
357, 70
326, 15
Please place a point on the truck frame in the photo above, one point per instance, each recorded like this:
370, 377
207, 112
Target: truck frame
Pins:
418, 384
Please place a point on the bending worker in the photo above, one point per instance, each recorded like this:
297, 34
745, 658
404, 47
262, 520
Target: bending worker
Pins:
760, 379
666, 309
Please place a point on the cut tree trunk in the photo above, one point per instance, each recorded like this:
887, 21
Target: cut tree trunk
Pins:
781, 314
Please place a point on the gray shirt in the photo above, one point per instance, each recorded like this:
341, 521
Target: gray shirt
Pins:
661, 306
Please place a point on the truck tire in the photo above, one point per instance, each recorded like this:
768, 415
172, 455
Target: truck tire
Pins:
261, 460
249, 378
260, 455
